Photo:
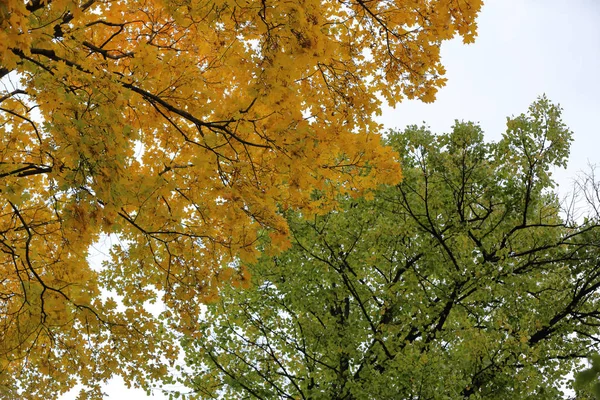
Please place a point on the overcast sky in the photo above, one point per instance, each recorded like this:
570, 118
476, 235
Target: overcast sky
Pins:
524, 48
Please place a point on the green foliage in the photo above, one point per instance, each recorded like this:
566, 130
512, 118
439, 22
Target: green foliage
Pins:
463, 281
587, 379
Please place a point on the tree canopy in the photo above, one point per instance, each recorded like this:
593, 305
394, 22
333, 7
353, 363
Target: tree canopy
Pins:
469, 279
183, 128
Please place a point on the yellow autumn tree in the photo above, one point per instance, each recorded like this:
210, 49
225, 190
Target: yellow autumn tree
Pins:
182, 128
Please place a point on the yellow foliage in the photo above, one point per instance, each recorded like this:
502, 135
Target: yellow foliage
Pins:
184, 128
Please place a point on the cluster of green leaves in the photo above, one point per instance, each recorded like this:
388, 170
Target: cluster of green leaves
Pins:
588, 378
463, 281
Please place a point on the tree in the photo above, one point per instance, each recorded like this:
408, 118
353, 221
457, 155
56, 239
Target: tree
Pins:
182, 128
464, 281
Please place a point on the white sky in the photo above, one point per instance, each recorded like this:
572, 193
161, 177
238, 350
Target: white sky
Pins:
524, 48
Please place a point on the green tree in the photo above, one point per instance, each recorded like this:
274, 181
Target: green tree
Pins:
466, 280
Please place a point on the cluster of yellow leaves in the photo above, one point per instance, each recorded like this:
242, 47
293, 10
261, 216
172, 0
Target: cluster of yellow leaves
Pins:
184, 127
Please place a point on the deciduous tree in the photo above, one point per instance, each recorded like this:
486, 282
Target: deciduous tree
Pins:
464, 281
181, 127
